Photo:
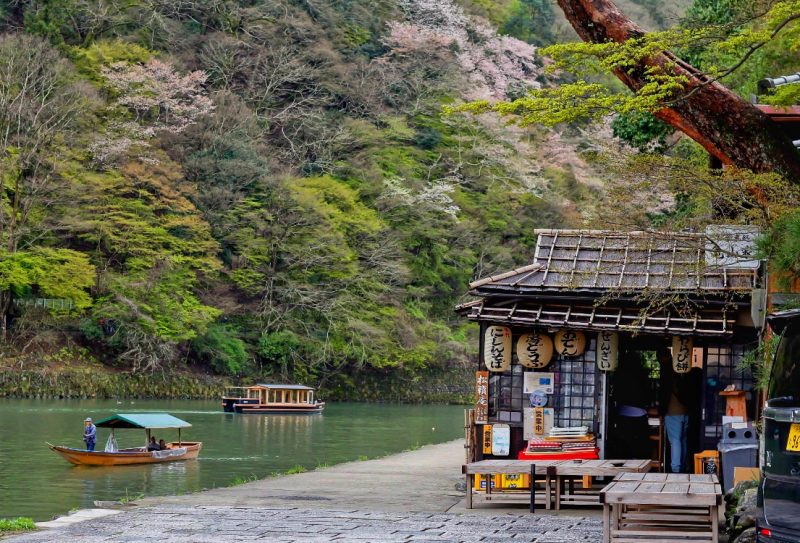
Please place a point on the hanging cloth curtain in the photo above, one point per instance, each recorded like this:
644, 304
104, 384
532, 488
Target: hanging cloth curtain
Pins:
111, 444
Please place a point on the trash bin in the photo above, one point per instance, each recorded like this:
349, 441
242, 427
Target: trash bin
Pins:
738, 448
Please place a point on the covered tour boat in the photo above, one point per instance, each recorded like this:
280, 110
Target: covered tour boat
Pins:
175, 450
271, 398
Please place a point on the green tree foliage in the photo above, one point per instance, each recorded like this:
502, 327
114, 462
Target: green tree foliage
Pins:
225, 352
301, 208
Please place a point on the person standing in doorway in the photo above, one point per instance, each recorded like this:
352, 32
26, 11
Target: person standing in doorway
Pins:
675, 403
89, 434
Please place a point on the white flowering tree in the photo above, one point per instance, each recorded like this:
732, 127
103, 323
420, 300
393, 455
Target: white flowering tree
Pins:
157, 99
494, 65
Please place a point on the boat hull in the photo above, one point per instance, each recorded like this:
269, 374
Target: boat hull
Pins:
245, 405
129, 457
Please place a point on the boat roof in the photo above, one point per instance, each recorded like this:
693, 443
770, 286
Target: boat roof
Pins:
142, 420
281, 387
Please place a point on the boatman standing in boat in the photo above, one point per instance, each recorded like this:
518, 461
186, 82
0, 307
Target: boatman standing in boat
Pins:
89, 433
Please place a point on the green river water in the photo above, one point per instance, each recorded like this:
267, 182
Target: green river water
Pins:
38, 483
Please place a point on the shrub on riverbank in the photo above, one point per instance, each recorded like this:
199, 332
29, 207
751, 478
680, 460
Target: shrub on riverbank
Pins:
19, 524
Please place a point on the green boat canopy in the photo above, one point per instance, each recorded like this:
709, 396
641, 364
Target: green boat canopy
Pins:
142, 420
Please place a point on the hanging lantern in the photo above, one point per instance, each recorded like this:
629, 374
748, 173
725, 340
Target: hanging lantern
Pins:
607, 351
534, 350
682, 347
570, 342
497, 348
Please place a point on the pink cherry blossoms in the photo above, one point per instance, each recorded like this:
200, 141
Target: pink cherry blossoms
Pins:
158, 96
494, 65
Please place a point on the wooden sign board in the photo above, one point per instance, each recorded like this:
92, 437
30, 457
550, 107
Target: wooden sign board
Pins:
487, 439
501, 440
497, 348
481, 397
697, 357
537, 421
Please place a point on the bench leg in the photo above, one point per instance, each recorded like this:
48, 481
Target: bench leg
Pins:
559, 482
713, 512
470, 484
606, 523
547, 490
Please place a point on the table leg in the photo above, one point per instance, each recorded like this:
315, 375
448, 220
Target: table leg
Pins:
606, 523
533, 488
470, 484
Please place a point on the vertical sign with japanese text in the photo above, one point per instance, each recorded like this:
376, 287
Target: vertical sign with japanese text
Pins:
487, 439
682, 348
481, 397
497, 348
607, 351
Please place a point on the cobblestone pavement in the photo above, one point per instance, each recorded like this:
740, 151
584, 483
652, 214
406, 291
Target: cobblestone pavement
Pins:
210, 524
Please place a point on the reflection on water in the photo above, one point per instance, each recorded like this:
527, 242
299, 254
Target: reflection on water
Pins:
36, 482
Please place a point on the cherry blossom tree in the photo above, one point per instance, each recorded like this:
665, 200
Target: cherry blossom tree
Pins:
157, 98
494, 65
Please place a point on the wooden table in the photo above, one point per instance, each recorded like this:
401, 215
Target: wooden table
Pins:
568, 470
554, 471
512, 467
661, 507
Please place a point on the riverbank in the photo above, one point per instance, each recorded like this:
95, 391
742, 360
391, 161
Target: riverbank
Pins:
411, 496
83, 380
420, 480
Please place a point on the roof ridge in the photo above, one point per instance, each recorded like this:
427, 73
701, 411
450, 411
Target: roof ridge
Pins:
480, 282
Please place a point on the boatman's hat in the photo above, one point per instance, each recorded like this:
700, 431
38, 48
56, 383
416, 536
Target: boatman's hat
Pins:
88, 419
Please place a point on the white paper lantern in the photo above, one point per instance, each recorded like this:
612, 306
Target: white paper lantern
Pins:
682, 347
497, 348
570, 342
535, 350
607, 351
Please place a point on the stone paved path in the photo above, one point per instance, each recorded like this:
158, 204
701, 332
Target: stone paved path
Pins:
210, 524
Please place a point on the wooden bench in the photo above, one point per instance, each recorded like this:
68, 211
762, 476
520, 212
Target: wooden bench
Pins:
512, 467
567, 471
661, 508
555, 474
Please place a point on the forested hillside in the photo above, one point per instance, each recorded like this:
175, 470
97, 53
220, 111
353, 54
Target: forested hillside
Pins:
269, 187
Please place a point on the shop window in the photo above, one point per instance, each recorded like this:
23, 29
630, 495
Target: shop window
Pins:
505, 395
723, 368
575, 395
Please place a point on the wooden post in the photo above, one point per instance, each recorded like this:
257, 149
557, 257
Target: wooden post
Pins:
533, 488
179, 437
470, 484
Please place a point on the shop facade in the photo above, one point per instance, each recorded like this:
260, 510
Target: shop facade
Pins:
579, 348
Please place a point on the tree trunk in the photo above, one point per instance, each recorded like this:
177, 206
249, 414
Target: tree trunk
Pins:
728, 127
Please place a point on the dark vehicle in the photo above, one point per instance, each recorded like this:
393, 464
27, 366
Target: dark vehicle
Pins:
779, 494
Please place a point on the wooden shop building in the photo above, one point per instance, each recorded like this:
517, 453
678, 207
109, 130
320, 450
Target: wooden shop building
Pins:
578, 344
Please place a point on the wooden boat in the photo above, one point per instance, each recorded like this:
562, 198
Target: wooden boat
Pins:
175, 450
272, 399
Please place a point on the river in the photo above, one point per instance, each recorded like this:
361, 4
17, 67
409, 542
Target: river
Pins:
36, 482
